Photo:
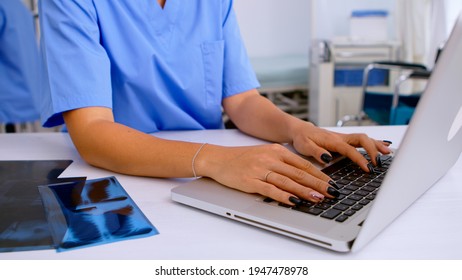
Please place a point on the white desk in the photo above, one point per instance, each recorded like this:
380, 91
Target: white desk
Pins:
424, 231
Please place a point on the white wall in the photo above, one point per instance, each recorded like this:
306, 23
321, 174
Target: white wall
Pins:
274, 27
453, 9
331, 17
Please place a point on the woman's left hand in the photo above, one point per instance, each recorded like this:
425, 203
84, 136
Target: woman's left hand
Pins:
310, 140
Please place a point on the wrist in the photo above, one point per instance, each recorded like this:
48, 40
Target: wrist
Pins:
205, 161
298, 127
193, 161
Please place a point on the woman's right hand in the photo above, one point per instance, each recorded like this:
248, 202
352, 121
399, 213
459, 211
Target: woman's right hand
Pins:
270, 170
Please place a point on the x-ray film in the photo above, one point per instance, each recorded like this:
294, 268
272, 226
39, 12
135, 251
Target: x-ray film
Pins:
23, 224
98, 211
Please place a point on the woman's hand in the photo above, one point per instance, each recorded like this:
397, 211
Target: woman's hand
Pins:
310, 140
270, 170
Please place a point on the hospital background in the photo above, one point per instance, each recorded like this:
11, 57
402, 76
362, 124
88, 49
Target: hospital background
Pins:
311, 56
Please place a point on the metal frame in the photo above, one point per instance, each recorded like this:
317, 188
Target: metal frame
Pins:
407, 71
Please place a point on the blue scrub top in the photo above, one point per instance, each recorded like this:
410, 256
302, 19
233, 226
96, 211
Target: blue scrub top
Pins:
19, 64
158, 69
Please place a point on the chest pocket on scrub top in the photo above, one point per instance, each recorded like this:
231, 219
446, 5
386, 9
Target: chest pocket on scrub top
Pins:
213, 56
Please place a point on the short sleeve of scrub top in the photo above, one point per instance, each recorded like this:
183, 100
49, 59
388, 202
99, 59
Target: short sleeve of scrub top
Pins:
158, 69
19, 64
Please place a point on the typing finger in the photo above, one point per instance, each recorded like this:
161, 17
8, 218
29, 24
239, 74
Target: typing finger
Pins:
303, 165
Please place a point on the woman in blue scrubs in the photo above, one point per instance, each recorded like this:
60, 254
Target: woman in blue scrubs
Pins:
19, 65
119, 70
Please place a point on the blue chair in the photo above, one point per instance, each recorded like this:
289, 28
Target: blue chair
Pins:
385, 108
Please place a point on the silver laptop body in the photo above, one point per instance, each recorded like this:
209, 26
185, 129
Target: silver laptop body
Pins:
417, 165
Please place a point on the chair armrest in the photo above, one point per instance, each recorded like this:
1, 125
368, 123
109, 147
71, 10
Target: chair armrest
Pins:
401, 64
420, 74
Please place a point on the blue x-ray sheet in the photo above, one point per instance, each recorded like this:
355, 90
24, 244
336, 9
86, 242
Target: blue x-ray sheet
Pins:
23, 224
94, 212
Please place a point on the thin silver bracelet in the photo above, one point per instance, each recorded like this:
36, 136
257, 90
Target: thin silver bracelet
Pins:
194, 159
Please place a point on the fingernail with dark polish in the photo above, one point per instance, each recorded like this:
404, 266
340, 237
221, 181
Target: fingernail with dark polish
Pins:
387, 141
332, 191
378, 159
295, 200
326, 158
371, 168
333, 184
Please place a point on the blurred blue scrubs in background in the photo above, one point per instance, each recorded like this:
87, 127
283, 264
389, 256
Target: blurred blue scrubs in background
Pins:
19, 64
158, 69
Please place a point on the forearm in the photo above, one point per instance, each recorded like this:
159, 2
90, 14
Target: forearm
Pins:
124, 150
109, 145
259, 117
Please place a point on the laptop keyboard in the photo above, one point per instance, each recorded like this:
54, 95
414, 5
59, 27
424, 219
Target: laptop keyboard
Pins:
357, 189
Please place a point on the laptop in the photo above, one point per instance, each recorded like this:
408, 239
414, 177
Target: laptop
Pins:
437, 122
